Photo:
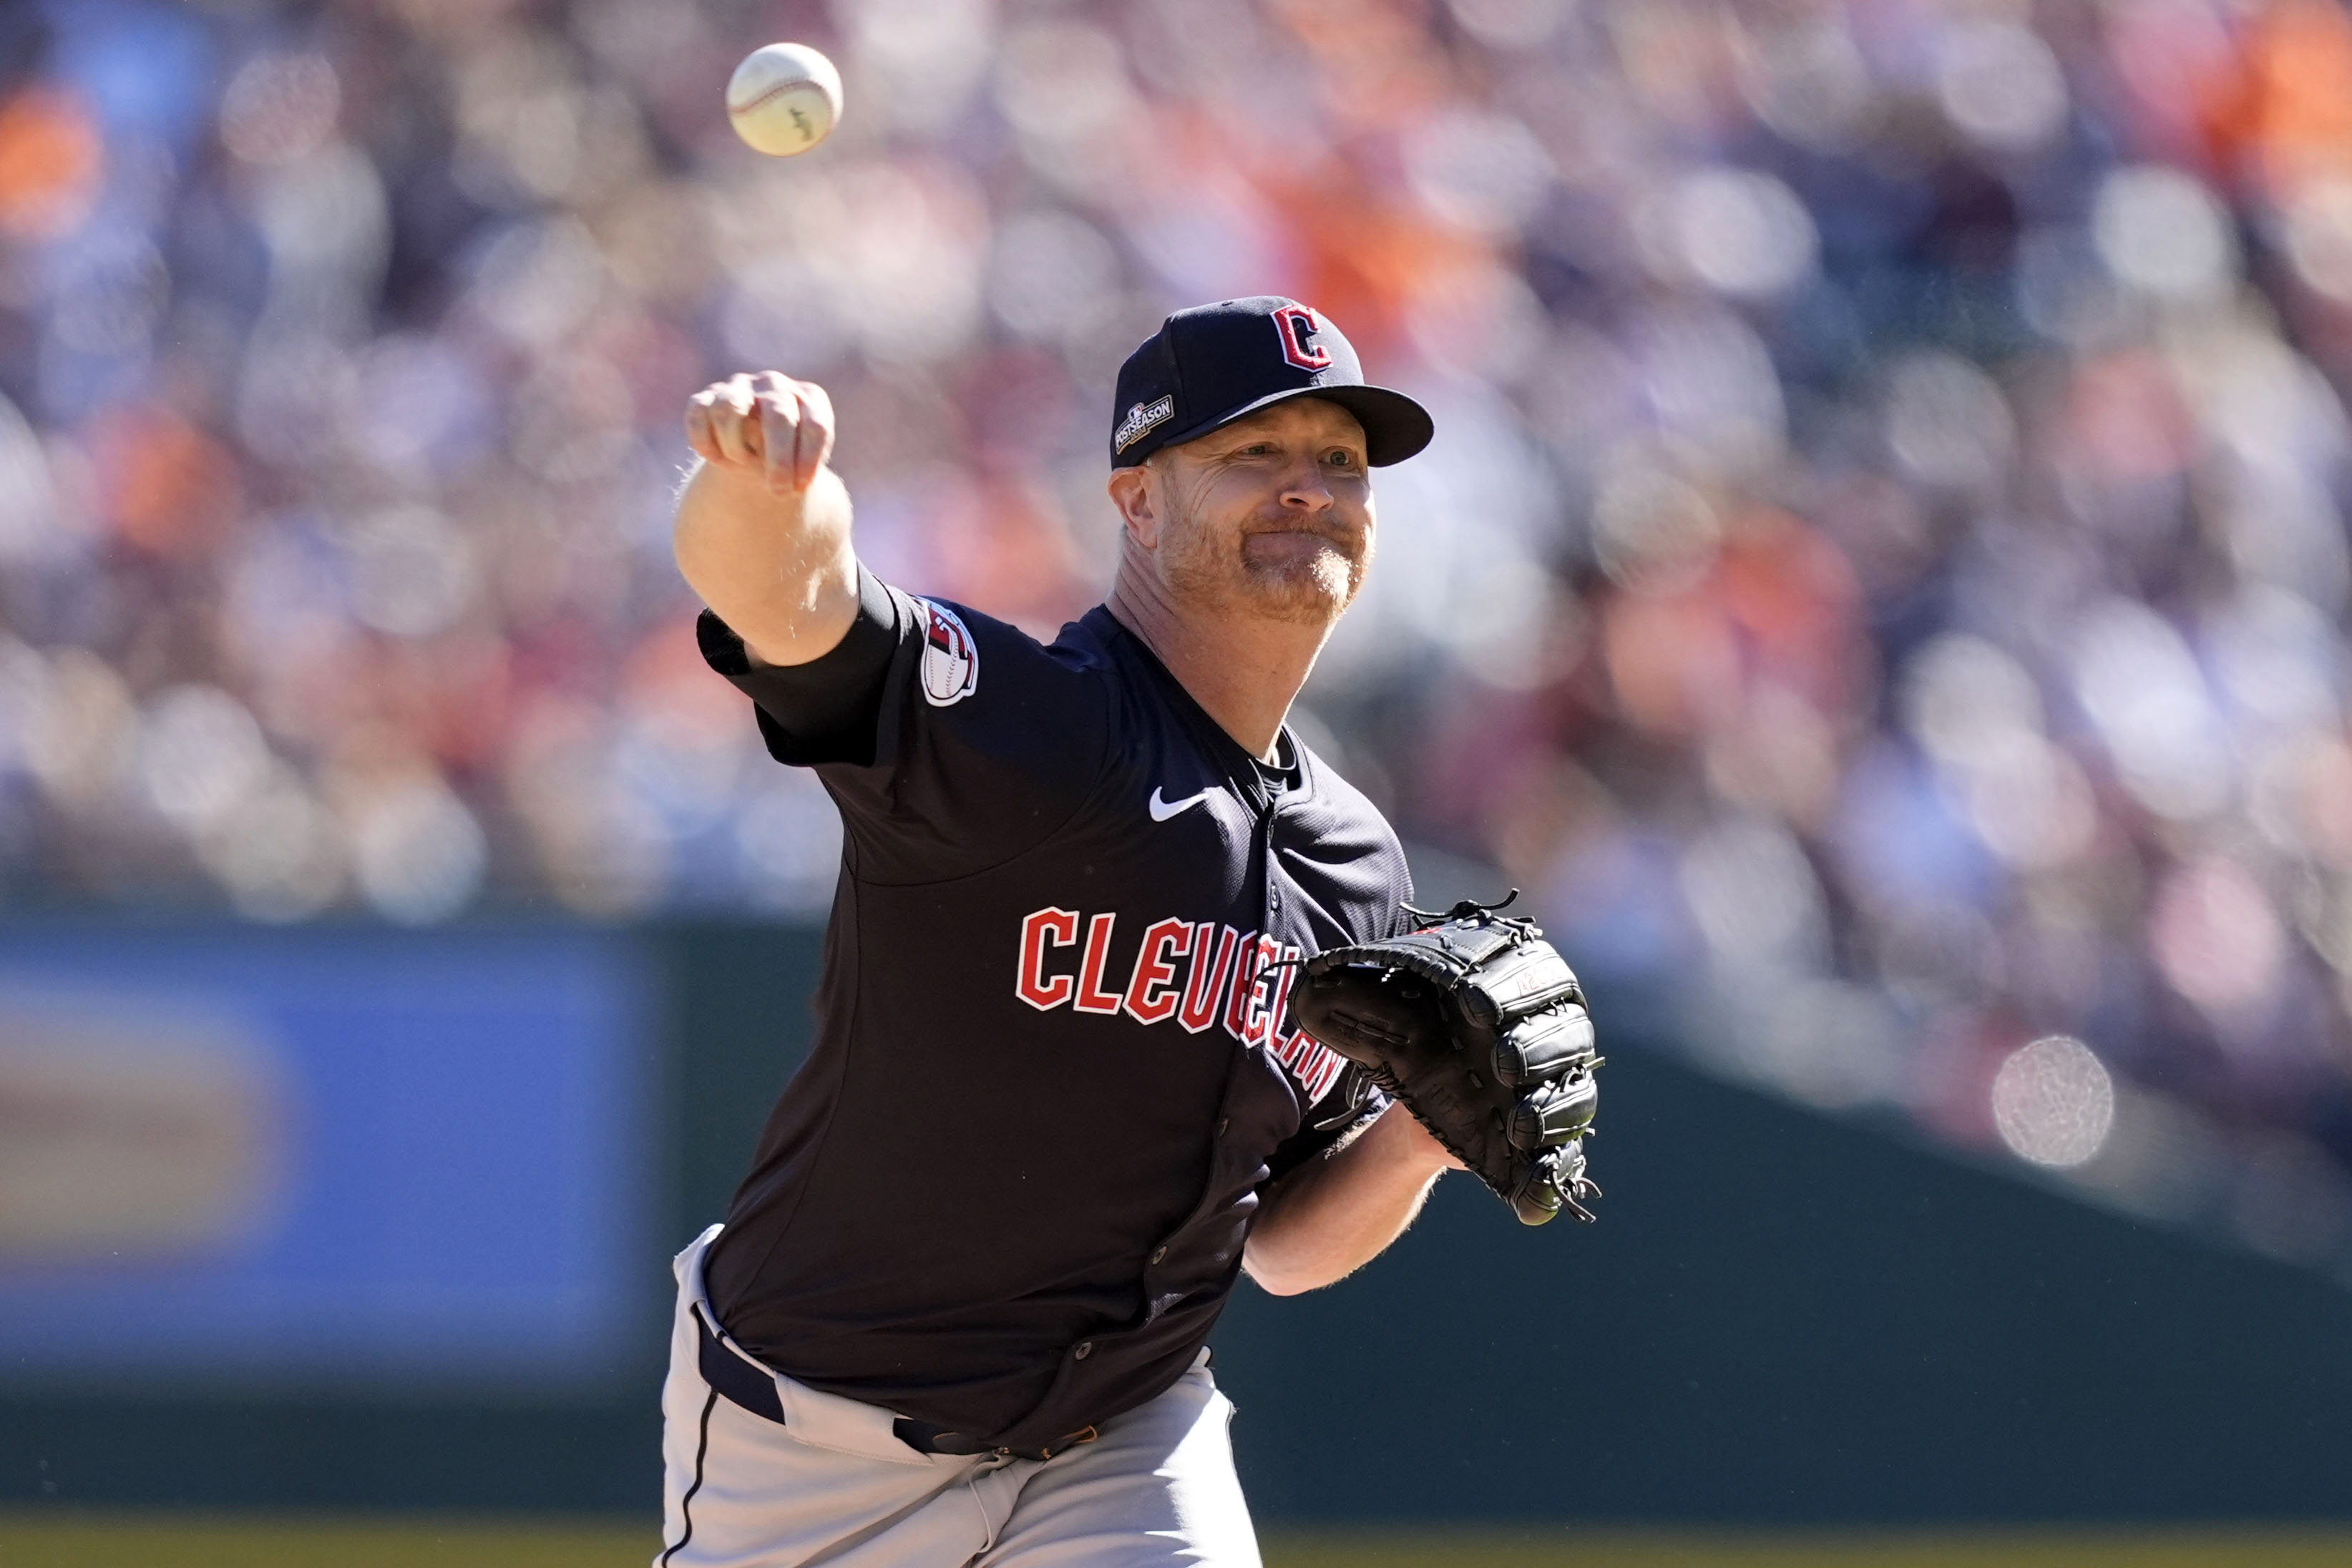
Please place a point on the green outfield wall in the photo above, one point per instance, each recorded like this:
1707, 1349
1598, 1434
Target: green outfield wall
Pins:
1781, 1319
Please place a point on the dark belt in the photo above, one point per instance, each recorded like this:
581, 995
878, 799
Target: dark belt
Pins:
744, 1385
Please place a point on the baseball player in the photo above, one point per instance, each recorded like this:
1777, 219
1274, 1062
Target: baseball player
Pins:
1057, 1101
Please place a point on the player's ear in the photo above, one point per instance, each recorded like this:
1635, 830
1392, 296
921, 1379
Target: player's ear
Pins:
1134, 493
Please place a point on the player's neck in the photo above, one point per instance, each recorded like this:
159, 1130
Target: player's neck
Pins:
1244, 670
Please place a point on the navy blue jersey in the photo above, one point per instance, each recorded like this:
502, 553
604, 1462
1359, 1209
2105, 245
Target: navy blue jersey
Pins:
1008, 1190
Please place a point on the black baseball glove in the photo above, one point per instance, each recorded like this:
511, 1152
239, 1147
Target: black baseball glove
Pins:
1480, 1027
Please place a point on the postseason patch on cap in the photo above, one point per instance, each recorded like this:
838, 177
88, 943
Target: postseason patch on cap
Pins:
1140, 420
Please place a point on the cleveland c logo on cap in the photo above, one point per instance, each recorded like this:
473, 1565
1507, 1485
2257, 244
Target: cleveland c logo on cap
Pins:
1214, 360
1292, 324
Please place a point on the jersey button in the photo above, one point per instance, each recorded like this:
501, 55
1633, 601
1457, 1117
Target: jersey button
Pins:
1159, 1254
1085, 1347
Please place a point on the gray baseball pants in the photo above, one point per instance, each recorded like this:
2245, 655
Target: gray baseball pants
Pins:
833, 1485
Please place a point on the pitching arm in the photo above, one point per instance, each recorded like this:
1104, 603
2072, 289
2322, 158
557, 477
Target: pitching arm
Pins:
762, 529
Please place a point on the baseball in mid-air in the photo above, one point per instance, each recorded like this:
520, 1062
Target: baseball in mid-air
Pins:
783, 99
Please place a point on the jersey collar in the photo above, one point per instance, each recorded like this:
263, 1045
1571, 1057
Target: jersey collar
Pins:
1240, 767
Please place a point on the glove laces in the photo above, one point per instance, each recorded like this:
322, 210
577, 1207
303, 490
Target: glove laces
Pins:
1468, 909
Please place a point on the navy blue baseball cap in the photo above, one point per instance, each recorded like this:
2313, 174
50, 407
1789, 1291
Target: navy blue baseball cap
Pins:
1209, 366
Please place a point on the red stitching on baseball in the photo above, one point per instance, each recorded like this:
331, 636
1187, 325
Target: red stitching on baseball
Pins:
777, 92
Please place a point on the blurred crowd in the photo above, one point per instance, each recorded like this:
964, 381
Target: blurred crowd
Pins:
1880, 584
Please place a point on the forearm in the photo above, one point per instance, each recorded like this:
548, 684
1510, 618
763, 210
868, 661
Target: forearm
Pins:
764, 524
1333, 1215
779, 569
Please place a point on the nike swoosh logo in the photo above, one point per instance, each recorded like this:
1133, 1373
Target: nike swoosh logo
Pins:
1163, 809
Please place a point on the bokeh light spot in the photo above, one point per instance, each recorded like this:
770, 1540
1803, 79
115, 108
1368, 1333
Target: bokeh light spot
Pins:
2001, 84
2162, 232
2052, 1102
51, 158
2319, 236
1741, 233
2216, 935
279, 107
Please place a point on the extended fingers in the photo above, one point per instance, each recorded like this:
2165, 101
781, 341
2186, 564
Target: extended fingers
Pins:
768, 422
796, 428
815, 433
701, 431
739, 423
779, 417
719, 422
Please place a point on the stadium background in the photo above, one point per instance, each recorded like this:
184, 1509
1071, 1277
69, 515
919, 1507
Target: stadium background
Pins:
1880, 587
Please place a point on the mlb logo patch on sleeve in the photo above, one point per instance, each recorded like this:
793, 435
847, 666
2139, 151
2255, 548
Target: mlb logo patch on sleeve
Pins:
951, 661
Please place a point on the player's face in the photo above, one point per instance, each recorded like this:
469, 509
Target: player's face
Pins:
1270, 516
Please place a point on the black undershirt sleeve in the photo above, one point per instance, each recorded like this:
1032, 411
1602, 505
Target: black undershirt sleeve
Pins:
827, 709
1317, 1136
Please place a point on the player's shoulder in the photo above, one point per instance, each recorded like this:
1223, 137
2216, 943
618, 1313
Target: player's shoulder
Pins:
1348, 807
966, 653
1352, 838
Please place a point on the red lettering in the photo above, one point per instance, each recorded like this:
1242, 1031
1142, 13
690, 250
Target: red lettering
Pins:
1278, 1006
1151, 994
1229, 978
1092, 997
1204, 982
1257, 1018
1327, 1073
1060, 927
1316, 1066
1237, 1000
